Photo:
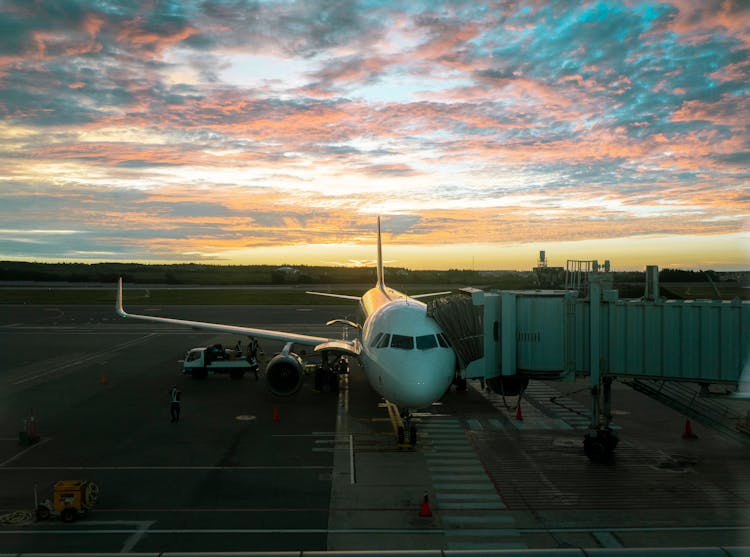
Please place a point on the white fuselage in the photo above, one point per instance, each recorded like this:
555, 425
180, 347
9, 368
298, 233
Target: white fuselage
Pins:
405, 356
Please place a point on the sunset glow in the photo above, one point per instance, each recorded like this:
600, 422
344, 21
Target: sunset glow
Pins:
275, 132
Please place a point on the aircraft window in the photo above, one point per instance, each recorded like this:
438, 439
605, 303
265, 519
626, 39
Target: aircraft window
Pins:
376, 339
425, 342
443, 341
384, 341
403, 342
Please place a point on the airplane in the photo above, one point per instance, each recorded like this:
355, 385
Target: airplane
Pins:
404, 354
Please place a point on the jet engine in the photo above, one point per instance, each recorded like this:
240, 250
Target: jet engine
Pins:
508, 385
284, 373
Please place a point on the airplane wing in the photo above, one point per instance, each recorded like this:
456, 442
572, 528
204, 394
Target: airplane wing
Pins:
330, 295
429, 294
306, 340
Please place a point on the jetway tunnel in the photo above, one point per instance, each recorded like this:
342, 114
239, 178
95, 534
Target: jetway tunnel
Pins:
508, 337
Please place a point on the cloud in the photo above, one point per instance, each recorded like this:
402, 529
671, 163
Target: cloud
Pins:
154, 127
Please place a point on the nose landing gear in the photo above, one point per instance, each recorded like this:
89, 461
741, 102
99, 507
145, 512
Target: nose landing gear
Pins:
405, 430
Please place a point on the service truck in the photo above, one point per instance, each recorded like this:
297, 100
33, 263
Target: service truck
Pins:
199, 362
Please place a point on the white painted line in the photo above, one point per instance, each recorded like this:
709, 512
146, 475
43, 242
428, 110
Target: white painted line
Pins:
468, 467
471, 486
352, 480
468, 506
453, 477
158, 468
467, 496
486, 545
473, 521
23, 452
499, 532
606, 539
131, 542
85, 360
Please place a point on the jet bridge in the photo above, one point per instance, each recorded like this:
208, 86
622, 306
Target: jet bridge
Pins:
508, 337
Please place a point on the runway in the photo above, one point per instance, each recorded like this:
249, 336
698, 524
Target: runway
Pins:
327, 475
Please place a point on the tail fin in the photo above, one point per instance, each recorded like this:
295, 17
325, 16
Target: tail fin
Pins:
381, 275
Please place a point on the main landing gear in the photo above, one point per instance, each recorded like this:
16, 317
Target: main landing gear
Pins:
327, 374
405, 430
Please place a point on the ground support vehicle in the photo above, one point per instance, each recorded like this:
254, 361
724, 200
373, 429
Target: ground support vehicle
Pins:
70, 499
199, 362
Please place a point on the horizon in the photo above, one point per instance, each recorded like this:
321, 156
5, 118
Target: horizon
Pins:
274, 132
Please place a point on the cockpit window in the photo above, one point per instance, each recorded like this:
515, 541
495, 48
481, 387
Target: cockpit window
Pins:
376, 339
384, 341
443, 341
403, 342
425, 342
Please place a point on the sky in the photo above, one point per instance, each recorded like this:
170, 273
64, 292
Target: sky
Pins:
275, 132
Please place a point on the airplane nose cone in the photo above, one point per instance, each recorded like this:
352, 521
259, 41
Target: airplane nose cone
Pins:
427, 383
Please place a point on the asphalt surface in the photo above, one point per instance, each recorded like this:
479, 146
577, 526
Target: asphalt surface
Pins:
327, 474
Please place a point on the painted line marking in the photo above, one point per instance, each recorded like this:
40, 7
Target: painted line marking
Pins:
437, 531
606, 539
486, 545
23, 452
481, 486
467, 496
86, 359
156, 468
467, 506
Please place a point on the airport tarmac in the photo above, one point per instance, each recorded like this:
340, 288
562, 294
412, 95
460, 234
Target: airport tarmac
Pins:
327, 475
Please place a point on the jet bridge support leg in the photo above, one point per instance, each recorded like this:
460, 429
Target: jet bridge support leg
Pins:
601, 442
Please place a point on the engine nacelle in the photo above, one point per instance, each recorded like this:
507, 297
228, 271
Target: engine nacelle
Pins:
508, 385
284, 374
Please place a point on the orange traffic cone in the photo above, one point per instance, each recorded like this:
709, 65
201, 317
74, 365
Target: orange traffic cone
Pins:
688, 433
104, 379
519, 414
425, 509
275, 413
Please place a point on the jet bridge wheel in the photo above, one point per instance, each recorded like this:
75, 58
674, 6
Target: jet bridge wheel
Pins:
599, 447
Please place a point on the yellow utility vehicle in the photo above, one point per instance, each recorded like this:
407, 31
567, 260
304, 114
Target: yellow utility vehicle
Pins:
70, 499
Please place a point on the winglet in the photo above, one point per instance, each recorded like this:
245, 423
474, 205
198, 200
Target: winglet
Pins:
381, 279
118, 303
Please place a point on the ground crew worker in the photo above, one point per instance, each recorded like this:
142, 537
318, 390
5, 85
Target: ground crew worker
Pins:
174, 403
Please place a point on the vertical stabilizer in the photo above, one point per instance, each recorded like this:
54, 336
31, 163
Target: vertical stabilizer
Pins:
381, 281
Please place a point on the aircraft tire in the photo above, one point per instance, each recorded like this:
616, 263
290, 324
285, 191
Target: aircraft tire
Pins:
595, 448
401, 435
413, 436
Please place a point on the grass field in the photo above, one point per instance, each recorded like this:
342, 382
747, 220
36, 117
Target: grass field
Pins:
178, 296
282, 295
